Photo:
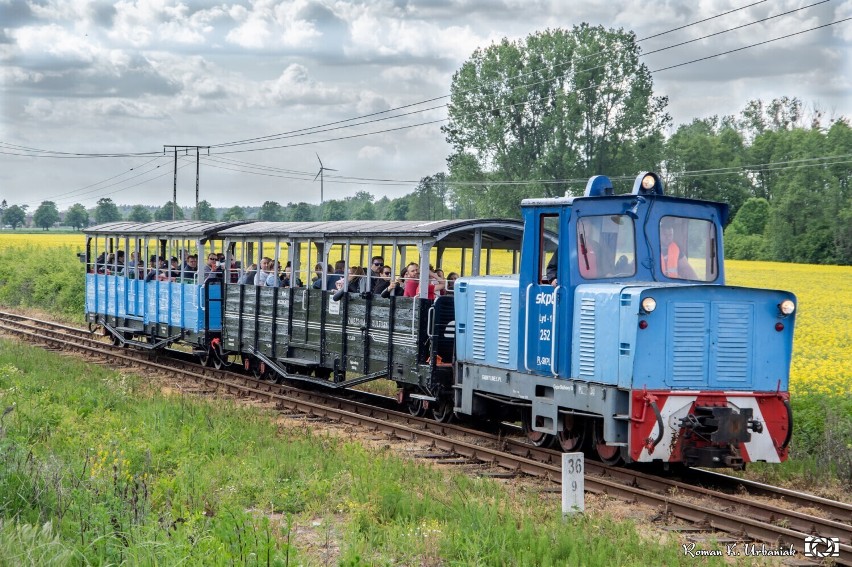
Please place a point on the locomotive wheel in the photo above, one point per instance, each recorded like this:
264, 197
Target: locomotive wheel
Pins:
248, 364
258, 370
114, 340
442, 411
571, 436
537, 438
415, 407
606, 453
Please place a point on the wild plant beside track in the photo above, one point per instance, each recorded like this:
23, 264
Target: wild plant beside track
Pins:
42, 271
100, 467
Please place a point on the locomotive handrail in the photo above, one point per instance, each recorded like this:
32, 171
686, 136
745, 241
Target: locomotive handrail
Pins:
527, 331
553, 332
789, 436
660, 427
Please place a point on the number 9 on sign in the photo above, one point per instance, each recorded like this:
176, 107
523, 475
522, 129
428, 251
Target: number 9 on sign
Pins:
573, 487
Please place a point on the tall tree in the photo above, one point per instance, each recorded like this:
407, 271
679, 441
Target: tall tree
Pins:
561, 104
707, 145
106, 211
367, 211
77, 217
168, 212
334, 210
397, 209
46, 215
235, 213
271, 211
300, 212
204, 212
428, 202
744, 236
139, 213
14, 216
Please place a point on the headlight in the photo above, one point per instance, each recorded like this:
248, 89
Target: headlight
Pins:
787, 307
649, 304
648, 182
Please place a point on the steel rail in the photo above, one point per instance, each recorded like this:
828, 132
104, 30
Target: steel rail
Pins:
766, 523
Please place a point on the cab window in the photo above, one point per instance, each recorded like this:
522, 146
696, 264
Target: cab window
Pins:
688, 249
548, 254
606, 246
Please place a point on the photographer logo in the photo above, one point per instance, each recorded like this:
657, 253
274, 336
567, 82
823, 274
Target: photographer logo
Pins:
816, 546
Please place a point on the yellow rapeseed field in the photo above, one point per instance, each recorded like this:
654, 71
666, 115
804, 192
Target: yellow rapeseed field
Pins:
46, 240
822, 348
822, 354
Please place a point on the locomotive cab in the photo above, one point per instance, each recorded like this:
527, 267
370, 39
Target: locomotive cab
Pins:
628, 336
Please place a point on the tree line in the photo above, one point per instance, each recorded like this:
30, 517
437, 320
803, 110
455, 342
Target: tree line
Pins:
537, 117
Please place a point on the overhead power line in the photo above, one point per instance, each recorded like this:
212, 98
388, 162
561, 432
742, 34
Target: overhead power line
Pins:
426, 123
314, 129
384, 115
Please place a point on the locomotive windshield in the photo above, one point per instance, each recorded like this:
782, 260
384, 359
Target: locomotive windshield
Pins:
688, 249
606, 246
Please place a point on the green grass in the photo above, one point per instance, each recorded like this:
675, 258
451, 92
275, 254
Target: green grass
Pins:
821, 450
52, 279
99, 468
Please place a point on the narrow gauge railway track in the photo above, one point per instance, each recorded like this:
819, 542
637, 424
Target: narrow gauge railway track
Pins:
744, 518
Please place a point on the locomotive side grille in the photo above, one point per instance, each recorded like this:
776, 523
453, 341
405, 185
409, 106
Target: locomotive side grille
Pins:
689, 342
734, 328
587, 337
479, 324
504, 320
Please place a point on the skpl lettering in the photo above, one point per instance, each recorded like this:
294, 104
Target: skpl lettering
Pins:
543, 298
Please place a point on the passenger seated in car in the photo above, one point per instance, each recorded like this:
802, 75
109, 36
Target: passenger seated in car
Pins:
451, 281
212, 270
272, 279
264, 271
435, 286
287, 279
357, 280
382, 280
248, 276
396, 287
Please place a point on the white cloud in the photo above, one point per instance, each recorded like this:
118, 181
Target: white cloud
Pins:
271, 24
134, 74
374, 35
294, 86
372, 153
57, 42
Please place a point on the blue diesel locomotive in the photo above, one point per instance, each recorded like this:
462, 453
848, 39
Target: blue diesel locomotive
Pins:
614, 328
631, 340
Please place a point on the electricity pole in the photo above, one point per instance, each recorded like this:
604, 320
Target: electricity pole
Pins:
185, 149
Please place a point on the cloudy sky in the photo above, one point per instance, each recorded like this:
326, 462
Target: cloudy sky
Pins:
94, 77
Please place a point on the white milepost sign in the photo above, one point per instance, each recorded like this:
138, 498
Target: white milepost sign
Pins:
573, 495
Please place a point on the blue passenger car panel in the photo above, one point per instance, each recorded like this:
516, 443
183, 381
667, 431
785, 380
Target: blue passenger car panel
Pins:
176, 304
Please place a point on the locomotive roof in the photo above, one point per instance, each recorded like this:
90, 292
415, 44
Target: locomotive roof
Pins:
625, 197
449, 232
161, 228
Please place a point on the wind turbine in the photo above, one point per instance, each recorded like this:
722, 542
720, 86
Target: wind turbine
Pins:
320, 175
